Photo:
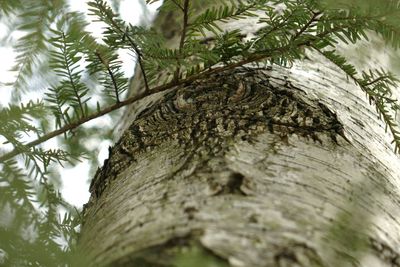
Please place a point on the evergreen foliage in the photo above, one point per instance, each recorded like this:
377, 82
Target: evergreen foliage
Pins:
33, 19
56, 37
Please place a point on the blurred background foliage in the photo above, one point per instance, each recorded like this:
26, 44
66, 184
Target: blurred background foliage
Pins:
37, 226
361, 54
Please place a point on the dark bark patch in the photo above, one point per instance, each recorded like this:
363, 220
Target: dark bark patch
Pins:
190, 211
385, 252
226, 182
299, 255
204, 116
253, 218
235, 182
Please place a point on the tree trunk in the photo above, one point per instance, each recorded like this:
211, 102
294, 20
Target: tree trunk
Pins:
250, 167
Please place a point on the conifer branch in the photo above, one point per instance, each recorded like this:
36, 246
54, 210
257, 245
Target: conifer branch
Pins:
382, 78
192, 78
251, 58
107, 14
72, 82
178, 5
380, 101
257, 56
54, 97
314, 18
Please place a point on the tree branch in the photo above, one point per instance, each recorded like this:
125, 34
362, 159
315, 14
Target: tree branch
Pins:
377, 80
251, 58
138, 53
135, 49
307, 25
177, 4
111, 75
69, 127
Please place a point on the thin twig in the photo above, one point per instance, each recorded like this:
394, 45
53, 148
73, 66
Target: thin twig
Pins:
377, 80
307, 25
136, 50
140, 58
177, 4
185, 23
70, 77
183, 34
111, 75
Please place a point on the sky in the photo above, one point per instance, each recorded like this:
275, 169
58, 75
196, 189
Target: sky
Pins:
75, 186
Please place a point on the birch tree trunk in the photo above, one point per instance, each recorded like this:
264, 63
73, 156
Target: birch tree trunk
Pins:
258, 166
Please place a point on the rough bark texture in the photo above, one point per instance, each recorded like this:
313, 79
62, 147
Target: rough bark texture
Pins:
254, 167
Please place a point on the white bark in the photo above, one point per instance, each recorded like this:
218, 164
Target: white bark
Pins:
260, 198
